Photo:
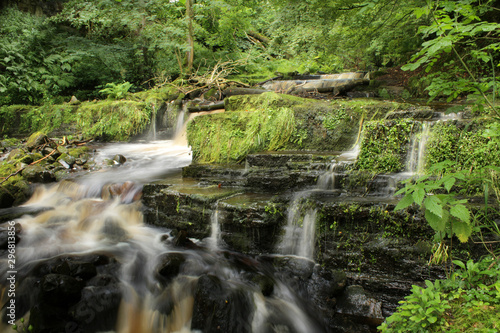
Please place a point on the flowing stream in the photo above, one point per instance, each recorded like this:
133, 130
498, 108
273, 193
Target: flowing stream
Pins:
88, 261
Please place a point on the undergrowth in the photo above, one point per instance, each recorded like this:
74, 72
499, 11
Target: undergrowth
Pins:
468, 301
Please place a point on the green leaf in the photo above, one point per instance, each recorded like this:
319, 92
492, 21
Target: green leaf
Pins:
459, 263
461, 212
434, 221
433, 204
418, 196
462, 230
432, 320
448, 183
405, 202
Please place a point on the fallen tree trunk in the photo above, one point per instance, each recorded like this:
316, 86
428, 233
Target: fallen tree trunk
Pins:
243, 91
195, 107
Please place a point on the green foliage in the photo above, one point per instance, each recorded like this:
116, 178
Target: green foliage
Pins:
384, 145
466, 46
472, 145
33, 66
335, 118
469, 300
445, 213
116, 91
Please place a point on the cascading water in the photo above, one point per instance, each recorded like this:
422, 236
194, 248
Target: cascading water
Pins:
215, 236
416, 160
88, 263
300, 229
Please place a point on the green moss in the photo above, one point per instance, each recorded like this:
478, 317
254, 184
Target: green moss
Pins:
79, 151
113, 120
12, 119
464, 142
14, 190
385, 144
272, 121
229, 137
264, 100
156, 96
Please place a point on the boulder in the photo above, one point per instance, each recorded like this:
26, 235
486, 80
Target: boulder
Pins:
38, 174
37, 139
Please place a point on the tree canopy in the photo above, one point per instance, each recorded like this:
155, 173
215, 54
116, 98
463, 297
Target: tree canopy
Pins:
84, 45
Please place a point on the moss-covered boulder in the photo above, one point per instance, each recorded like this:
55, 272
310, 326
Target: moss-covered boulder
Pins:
271, 122
36, 139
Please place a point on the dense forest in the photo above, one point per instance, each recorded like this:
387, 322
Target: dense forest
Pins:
63, 48
59, 56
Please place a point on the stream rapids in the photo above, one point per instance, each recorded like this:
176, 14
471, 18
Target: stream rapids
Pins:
87, 262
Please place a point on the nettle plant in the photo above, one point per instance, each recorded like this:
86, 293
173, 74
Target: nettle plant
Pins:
465, 45
444, 211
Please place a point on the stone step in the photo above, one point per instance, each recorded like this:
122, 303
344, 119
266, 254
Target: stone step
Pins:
284, 158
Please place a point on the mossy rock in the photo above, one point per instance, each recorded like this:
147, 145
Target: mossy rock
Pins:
273, 122
385, 145
264, 100
14, 191
18, 154
37, 174
79, 152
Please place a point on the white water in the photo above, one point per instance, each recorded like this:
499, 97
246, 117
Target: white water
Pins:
299, 237
215, 237
101, 213
326, 181
416, 156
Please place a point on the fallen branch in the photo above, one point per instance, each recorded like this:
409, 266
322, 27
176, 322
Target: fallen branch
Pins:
32, 163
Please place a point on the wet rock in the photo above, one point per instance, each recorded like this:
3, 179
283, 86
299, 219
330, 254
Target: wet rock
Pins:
355, 302
181, 239
265, 283
299, 267
119, 159
66, 160
60, 290
113, 231
50, 151
169, 266
327, 282
20, 155
219, 308
97, 311
38, 174
361, 94
37, 139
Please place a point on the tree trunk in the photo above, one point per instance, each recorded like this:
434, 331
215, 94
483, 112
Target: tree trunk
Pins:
190, 37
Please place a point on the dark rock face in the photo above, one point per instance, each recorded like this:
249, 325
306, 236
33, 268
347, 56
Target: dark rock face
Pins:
169, 266
219, 309
71, 294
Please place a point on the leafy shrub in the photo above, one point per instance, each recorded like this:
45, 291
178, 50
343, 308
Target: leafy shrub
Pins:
467, 301
116, 91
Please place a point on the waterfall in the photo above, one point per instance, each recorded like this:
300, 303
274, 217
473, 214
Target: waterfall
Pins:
153, 124
179, 125
215, 234
124, 276
416, 155
299, 230
326, 181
